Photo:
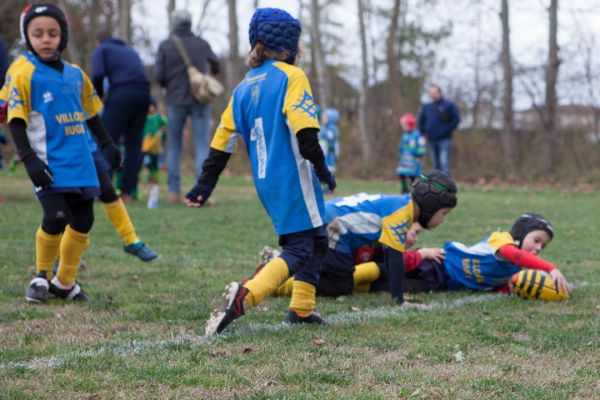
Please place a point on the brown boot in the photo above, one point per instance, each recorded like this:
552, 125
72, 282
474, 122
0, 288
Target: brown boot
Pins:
174, 198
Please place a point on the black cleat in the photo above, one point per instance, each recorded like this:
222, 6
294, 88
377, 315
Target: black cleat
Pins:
313, 318
37, 291
233, 307
75, 293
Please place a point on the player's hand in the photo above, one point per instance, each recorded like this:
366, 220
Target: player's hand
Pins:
435, 254
559, 281
38, 171
198, 195
112, 154
331, 183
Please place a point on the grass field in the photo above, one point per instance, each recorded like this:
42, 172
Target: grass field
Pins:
141, 334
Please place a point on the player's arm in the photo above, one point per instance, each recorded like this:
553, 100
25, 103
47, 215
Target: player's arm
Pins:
305, 124
412, 260
38, 171
308, 143
105, 142
221, 147
528, 260
393, 261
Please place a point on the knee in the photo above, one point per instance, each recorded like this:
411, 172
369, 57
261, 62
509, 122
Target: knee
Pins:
84, 223
55, 224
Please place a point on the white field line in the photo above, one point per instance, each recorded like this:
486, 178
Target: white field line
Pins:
343, 318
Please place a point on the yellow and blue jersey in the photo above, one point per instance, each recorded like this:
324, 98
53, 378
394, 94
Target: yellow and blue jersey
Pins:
362, 219
267, 109
55, 106
479, 267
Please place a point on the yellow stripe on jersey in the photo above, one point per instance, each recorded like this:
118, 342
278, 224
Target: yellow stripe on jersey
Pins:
90, 101
226, 135
499, 239
395, 227
13, 67
19, 93
299, 106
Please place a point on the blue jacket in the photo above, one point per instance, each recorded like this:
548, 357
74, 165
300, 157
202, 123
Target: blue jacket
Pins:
121, 64
438, 119
3, 62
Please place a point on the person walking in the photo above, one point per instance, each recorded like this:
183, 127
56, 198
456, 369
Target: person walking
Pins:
171, 73
126, 103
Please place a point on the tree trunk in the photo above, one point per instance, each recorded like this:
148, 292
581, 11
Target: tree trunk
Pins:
393, 62
170, 8
323, 84
509, 144
550, 142
233, 61
125, 20
366, 141
94, 15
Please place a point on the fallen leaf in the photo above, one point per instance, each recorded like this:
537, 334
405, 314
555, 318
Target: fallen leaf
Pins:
135, 278
355, 309
459, 356
248, 350
319, 342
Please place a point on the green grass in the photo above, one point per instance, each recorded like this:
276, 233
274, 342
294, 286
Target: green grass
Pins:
141, 334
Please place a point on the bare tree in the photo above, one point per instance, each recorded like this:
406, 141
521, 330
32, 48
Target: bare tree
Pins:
364, 87
170, 8
234, 52
550, 142
125, 20
323, 83
393, 62
509, 144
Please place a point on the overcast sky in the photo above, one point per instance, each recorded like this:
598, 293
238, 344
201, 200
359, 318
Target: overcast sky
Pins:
455, 56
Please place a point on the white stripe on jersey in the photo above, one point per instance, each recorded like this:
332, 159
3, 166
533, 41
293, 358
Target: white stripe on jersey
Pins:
230, 147
479, 249
358, 222
36, 133
306, 180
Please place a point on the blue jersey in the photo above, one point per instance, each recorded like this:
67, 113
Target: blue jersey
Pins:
479, 267
410, 154
362, 219
55, 106
268, 108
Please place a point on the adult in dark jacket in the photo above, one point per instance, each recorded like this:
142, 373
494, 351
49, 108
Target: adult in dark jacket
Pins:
438, 120
126, 103
170, 72
3, 62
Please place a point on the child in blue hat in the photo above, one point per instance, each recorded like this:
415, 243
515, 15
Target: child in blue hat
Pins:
273, 110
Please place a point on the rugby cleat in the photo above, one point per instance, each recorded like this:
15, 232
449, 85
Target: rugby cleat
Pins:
37, 291
141, 251
266, 254
75, 292
232, 308
312, 318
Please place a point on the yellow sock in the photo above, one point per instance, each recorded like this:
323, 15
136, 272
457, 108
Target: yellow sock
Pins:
286, 288
46, 248
72, 246
303, 298
363, 287
266, 281
118, 216
365, 274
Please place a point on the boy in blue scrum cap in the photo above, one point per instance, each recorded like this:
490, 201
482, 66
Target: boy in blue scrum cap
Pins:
273, 110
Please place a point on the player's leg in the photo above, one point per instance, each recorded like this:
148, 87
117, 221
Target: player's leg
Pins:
133, 142
72, 246
306, 280
47, 243
364, 275
117, 214
201, 129
336, 278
